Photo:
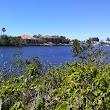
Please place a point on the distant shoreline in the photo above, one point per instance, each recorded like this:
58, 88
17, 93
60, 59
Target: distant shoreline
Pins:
48, 45
37, 45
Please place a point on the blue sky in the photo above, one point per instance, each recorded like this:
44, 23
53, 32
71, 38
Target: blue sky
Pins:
79, 19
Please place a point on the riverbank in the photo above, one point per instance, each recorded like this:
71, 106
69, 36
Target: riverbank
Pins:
48, 44
36, 45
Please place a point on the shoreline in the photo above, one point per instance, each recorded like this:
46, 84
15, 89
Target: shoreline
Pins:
36, 45
43, 45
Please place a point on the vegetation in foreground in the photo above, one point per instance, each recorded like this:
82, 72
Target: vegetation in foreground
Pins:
81, 85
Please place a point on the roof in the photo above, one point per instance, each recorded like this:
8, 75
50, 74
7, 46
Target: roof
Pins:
27, 37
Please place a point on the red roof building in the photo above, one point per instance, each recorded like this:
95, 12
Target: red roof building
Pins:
27, 37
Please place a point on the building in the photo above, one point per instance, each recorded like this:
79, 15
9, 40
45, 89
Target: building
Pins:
29, 39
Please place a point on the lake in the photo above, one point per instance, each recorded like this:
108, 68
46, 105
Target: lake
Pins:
51, 54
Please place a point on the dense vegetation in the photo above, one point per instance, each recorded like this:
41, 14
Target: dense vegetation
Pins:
55, 39
17, 41
10, 41
108, 39
94, 39
81, 85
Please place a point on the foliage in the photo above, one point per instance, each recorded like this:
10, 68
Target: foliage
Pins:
90, 54
94, 39
10, 41
17, 41
108, 39
61, 39
3, 29
17, 82
71, 86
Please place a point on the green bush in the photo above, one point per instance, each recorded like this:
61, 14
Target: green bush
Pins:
72, 86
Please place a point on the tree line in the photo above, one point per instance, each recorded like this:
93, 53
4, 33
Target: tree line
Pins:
10, 41
6, 40
54, 38
94, 39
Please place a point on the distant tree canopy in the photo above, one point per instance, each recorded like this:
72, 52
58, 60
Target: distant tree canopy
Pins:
61, 39
55, 39
10, 41
3, 29
94, 39
108, 39
17, 41
37, 36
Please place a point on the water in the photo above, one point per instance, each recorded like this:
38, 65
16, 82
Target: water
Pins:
51, 54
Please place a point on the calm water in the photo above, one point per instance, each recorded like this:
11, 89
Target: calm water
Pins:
51, 54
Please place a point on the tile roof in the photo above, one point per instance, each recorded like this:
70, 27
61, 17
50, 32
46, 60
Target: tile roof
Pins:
27, 37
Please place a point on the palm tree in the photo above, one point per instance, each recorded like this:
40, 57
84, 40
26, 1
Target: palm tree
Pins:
3, 30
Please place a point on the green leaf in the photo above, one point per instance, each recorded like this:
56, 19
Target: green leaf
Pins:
15, 106
64, 105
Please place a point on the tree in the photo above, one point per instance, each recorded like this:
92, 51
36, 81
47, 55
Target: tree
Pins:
108, 39
10, 41
5, 40
37, 36
63, 39
90, 54
3, 29
94, 39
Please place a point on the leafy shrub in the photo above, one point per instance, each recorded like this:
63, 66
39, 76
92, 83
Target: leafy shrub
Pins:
90, 54
71, 86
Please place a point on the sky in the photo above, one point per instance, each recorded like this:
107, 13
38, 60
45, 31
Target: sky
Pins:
75, 19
